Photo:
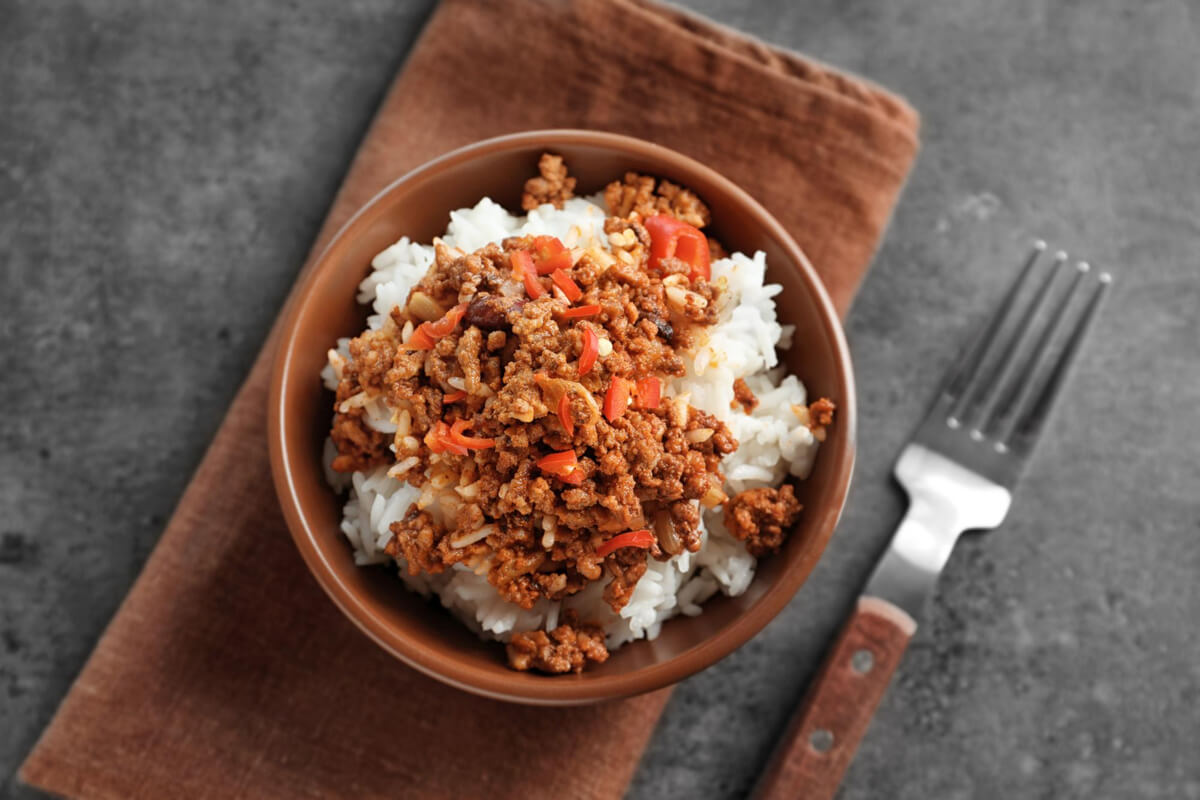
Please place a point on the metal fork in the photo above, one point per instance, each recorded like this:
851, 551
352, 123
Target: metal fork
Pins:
959, 469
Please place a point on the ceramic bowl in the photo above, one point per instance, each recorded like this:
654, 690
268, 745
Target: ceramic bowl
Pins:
420, 632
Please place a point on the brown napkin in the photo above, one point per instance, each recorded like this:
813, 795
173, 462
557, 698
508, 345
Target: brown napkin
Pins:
227, 672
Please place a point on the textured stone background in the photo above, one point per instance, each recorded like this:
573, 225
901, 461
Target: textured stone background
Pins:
164, 166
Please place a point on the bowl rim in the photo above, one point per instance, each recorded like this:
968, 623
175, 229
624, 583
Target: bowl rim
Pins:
553, 690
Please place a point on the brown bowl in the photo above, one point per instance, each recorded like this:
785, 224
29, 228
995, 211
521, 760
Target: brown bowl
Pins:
421, 633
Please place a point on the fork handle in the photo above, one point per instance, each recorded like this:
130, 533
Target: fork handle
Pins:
824, 734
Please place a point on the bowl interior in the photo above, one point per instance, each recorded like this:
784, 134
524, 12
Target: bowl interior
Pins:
420, 631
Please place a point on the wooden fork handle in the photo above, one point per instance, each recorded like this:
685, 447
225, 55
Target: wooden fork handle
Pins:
821, 740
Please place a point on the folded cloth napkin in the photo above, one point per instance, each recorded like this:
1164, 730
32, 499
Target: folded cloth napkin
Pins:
227, 672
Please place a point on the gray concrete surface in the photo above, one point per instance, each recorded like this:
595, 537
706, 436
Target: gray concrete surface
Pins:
164, 166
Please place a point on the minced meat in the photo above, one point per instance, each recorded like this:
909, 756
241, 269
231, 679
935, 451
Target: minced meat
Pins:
552, 185
503, 371
762, 518
644, 196
820, 417
567, 648
743, 396
359, 446
529, 411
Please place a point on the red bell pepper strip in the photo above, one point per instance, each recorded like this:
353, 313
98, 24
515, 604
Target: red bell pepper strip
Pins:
454, 397
560, 461
649, 392
448, 323
673, 238
564, 414
591, 349
427, 333
562, 465
570, 288
458, 437
523, 270
420, 339
440, 440
574, 477
642, 539
580, 312
550, 254
616, 399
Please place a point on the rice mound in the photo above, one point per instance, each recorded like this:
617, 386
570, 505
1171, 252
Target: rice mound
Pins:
772, 440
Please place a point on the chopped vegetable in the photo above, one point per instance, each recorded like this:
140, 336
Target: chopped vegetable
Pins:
616, 399
427, 333
550, 254
673, 238
448, 323
454, 397
523, 269
564, 414
458, 437
649, 392
574, 477
522, 262
440, 440
558, 461
591, 349
580, 312
562, 465
555, 388
423, 307
563, 281
533, 286
420, 339
642, 539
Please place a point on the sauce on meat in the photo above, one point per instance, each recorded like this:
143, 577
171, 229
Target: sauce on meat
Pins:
525, 380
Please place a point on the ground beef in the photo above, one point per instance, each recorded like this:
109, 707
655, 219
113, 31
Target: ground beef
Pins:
359, 446
567, 648
762, 518
501, 373
820, 417
415, 538
644, 196
742, 396
552, 185
484, 381
626, 568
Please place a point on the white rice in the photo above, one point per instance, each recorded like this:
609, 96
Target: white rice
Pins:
742, 344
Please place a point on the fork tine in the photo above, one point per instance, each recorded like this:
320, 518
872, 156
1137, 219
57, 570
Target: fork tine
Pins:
1043, 390
1024, 367
965, 369
1040, 352
989, 386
